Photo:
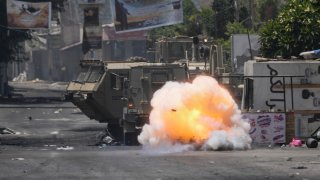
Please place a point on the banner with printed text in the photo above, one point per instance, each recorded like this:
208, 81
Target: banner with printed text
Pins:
267, 127
28, 15
133, 15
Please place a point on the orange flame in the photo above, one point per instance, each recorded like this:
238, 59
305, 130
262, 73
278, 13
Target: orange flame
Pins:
189, 113
198, 117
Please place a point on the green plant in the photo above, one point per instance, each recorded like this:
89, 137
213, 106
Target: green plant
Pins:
296, 29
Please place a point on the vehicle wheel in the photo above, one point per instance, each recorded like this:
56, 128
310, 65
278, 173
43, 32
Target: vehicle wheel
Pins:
116, 131
131, 139
312, 143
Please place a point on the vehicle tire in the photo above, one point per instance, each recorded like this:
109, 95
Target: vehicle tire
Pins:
131, 139
312, 143
116, 131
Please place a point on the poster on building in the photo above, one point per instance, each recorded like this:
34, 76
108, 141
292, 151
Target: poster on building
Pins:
28, 15
92, 33
109, 34
267, 127
132, 15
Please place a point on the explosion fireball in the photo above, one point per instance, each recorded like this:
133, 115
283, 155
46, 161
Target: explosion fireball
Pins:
201, 113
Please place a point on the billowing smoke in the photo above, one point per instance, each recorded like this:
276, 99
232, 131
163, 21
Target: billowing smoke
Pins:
201, 114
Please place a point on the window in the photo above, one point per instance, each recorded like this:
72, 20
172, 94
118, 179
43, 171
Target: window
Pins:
117, 81
82, 75
95, 74
90, 74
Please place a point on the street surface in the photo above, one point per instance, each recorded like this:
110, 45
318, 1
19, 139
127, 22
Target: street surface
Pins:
54, 140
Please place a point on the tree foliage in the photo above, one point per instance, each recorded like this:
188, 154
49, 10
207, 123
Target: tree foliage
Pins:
268, 9
224, 13
296, 29
207, 16
190, 26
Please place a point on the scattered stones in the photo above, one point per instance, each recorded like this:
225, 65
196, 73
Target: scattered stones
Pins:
58, 111
4, 130
299, 167
54, 132
314, 162
292, 175
65, 148
289, 159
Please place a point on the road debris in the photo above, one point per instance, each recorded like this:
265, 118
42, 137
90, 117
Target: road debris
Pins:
289, 159
299, 167
51, 145
314, 162
65, 148
58, 111
104, 139
54, 132
295, 143
160, 171
17, 159
4, 130
294, 174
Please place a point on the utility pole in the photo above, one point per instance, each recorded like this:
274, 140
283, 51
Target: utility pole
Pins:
236, 7
252, 7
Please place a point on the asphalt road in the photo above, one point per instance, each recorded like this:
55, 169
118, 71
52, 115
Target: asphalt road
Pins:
121, 162
57, 142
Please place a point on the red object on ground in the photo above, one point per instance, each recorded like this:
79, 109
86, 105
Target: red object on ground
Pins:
296, 142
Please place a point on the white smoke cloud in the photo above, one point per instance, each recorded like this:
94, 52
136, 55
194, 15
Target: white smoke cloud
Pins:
201, 114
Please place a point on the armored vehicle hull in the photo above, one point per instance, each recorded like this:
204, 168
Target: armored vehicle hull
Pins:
119, 93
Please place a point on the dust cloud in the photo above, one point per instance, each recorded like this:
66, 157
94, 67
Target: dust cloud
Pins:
200, 115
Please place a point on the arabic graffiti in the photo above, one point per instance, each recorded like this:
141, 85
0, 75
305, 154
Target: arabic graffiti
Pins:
275, 83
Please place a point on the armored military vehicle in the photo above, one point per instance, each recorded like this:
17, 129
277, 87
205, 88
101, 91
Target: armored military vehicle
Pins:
119, 93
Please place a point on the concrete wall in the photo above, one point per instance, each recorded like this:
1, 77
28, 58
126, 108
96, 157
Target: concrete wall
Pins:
269, 90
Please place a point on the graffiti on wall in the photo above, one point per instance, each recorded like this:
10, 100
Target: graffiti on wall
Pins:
308, 93
277, 86
267, 127
275, 82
